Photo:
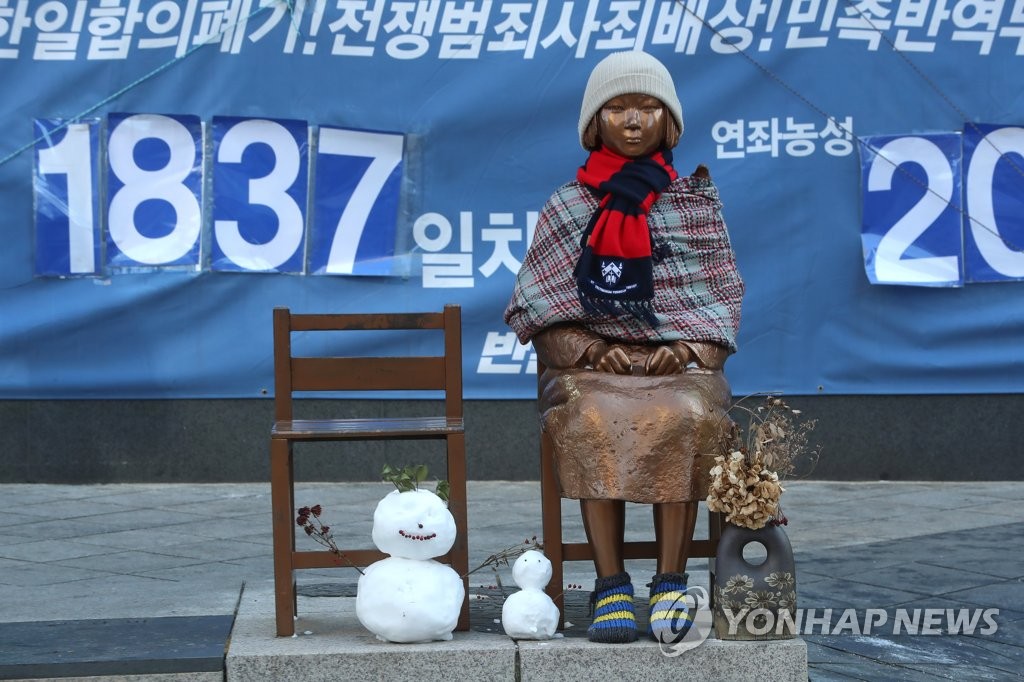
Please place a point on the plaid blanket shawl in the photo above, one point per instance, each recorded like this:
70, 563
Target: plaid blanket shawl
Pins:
697, 288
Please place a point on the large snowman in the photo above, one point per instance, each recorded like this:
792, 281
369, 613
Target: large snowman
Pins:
530, 613
409, 597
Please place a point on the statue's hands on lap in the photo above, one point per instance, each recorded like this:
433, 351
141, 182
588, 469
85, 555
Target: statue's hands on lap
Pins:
666, 360
662, 360
609, 358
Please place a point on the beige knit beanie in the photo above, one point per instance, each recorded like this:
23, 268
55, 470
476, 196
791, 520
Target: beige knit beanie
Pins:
623, 73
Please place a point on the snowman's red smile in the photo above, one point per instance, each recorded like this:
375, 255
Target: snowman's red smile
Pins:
416, 536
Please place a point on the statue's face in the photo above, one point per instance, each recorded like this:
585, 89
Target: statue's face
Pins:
632, 125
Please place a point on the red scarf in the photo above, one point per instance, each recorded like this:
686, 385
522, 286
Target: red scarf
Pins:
615, 271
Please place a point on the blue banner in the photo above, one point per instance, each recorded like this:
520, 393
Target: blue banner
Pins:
394, 156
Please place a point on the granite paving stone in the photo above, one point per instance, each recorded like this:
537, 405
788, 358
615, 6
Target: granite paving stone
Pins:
48, 550
1001, 508
143, 518
985, 658
1007, 594
843, 562
955, 551
933, 547
227, 507
938, 524
116, 596
819, 651
984, 536
32, 575
137, 539
870, 670
218, 550
823, 673
922, 578
569, 659
157, 496
944, 499
840, 593
256, 654
100, 647
8, 540
221, 575
853, 509
945, 672
61, 529
1010, 632
249, 529
37, 493
254, 538
128, 562
967, 560
257, 566
81, 508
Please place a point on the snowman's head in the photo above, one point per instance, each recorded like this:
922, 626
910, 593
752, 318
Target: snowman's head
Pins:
415, 524
531, 570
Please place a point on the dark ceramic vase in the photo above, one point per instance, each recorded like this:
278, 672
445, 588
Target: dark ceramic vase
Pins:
754, 601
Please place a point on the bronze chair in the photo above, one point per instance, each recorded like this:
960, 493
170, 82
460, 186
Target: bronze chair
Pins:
293, 373
559, 552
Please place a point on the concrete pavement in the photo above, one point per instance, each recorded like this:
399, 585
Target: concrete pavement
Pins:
81, 566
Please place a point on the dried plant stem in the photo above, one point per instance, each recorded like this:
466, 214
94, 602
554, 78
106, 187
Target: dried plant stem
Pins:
745, 481
309, 520
503, 557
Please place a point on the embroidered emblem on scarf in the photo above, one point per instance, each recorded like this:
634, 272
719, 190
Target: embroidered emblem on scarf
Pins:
614, 273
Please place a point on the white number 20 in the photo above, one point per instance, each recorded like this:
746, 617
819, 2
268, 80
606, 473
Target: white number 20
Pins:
890, 266
993, 259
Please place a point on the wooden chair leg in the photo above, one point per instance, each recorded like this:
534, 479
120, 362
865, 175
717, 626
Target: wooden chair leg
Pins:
456, 444
282, 506
551, 526
291, 532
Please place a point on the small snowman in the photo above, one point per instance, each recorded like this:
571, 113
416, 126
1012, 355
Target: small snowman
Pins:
530, 613
409, 597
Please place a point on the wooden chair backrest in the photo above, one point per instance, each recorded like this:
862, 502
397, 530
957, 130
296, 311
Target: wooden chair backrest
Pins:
367, 373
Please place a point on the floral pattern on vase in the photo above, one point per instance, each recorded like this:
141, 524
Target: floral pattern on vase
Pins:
754, 602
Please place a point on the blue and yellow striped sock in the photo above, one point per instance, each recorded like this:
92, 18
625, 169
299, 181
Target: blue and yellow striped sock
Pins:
669, 620
614, 615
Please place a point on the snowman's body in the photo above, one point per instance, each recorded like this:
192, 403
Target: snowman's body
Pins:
409, 600
530, 613
409, 597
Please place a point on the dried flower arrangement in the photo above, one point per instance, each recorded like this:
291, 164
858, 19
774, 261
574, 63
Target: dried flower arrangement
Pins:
745, 482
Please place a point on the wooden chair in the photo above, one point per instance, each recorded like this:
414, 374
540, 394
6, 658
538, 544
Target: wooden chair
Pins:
311, 374
559, 552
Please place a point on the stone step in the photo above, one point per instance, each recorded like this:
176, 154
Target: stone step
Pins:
330, 644
163, 649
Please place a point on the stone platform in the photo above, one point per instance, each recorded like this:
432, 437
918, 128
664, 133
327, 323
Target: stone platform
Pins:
330, 644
